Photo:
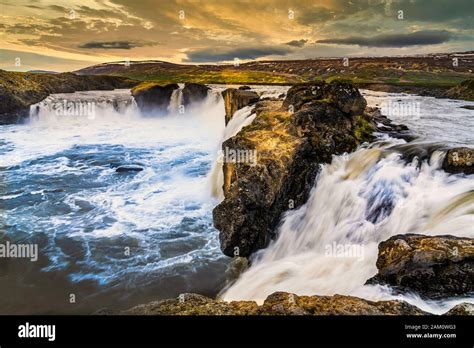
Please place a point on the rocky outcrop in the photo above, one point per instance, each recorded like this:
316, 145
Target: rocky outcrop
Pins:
465, 90
19, 90
289, 139
235, 99
279, 303
439, 266
461, 309
152, 97
459, 160
194, 93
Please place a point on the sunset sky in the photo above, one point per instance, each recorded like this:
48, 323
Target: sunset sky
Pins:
67, 35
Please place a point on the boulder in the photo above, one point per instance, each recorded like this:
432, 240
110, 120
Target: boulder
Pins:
464, 308
279, 303
152, 97
342, 95
235, 99
459, 160
128, 169
282, 303
432, 266
289, 147
194, 93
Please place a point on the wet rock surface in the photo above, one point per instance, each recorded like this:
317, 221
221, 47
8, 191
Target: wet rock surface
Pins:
194, 93
432, 266
152, 97
290, 139
235, 99
459, 160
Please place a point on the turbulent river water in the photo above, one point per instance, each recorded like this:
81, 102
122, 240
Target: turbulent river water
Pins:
119, 238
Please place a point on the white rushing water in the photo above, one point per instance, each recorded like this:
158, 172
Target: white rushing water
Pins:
60, 189
329, 245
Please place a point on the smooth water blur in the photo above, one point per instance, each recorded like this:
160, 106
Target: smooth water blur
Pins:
381, 190
114, 239
117, 239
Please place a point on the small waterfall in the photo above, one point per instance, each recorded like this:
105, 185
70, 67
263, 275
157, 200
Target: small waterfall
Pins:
176, 101
374, 194
239, 120
83, 105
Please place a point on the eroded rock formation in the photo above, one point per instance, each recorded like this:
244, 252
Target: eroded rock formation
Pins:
433, 266
290, 139
235, 99
152, 97
194, 93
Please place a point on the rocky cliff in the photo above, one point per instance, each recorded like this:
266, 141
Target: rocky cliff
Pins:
194, 93
235, 99
151, 97
20, 90
289, 139
435, 267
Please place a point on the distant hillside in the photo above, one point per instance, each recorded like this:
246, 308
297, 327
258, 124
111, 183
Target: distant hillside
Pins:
436, 70
42, 71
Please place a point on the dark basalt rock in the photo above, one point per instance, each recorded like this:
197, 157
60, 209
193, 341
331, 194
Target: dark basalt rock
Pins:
289, 147
433, 266
342, 95
128, 169
244, 88
152, 97
235, 99
194, 93
279, 303
459, 160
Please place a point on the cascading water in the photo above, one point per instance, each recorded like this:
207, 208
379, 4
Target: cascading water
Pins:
239, 120
119, 239
115, 239
329, 245
176, 101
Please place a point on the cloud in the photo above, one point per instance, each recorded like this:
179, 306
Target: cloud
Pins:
218, 55
422, 37
297, 43
115, 45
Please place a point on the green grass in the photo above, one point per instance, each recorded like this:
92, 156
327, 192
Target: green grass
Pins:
225, 76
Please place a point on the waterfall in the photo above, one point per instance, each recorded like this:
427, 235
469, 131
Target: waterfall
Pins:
83, 106
176, 101
359, 200
239, 120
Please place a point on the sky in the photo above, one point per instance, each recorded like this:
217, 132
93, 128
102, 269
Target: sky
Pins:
68, 35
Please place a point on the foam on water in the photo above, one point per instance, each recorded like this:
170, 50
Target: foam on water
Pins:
360, 200
61, 186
